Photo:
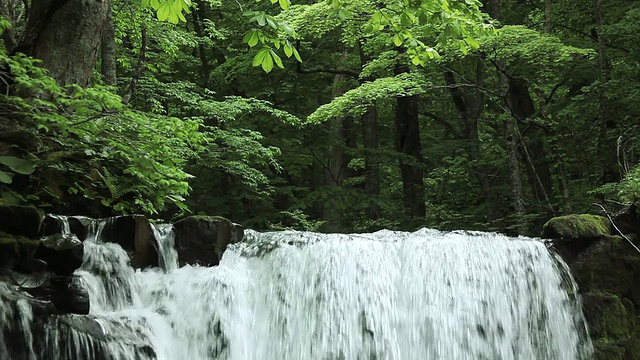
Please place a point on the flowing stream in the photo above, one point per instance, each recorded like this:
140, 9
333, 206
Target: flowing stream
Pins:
307, 296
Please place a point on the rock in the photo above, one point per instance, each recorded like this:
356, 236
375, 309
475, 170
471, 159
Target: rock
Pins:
632, 349
607, 265
201, 240
607, 351
134, 234
609, 317
20, 220
69, 295
77, 225
9, 250
582, 226
572, 234
62, 253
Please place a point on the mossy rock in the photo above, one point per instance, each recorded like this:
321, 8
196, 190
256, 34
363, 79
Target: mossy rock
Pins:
20, 220
632, 349
607, 264
609, 316
577, 227
9, 250
607, 351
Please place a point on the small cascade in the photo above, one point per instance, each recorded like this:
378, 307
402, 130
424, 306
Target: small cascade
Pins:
306, 296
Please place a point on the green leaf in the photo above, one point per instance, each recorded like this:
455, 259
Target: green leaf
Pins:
267, 62
296, 54
5, 178
163, 11
288, 50
21, 166
262, 19
259, 58
397, 40
473, 43
284, 4
277, 59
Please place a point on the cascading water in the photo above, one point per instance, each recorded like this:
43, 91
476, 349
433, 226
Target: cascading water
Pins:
307, 296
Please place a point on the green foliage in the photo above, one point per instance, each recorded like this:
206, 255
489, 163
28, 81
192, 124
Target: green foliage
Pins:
17, 165
355, 102
93, 146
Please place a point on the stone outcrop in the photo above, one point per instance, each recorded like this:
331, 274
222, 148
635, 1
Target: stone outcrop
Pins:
607, 270
134, 234
201, 240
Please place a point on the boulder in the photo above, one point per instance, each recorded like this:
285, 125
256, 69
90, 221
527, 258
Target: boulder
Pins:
609, 316
201, 240
20, 220
572, 234
608, 351
608, 264
581, 226
135, 235
69, 296
77, 225
9, 250
62, 253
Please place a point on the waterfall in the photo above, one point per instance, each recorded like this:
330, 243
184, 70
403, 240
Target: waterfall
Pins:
308, 296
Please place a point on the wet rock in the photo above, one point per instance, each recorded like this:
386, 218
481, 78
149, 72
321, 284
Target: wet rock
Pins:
201, 240
69, 295
20, 220
78, 225
62, 253
135, 235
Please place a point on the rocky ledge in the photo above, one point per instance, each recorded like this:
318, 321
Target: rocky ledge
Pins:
606, 268
39, 255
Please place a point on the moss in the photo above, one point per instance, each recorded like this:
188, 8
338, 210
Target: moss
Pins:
8, 250
610, 317
577, 226
27, 246
607, 351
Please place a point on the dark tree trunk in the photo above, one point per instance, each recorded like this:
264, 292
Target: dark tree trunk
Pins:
469, 107
109, 51
198, 15
408, 144
371, 163
606, 149
66, 35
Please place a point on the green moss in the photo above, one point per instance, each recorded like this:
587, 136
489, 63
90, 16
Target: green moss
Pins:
8, 249
607, 351
610, 317
577, 226
27, 246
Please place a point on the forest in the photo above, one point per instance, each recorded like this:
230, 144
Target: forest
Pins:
327, 115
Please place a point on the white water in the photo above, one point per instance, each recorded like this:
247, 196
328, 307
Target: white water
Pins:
307, 296
388, 295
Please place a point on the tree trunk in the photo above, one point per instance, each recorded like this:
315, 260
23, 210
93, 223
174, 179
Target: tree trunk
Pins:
469, 107
109, 50
371, 163
605, 149
408, 144
65, 35
198, 15
516, 183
